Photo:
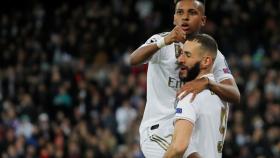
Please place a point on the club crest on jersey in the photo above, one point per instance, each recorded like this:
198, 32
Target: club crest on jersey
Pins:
177, 49
179, 110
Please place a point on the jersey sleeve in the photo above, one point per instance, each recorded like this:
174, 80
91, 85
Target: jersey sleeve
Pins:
152, 40
186, 109
221, 70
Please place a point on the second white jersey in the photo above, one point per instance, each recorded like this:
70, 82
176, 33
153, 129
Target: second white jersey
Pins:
209, 116
163, 82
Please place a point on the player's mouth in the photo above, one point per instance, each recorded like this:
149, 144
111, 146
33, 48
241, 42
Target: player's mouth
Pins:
185, 27
183, 72
183, 69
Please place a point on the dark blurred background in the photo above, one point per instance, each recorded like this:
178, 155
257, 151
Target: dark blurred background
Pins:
67, 90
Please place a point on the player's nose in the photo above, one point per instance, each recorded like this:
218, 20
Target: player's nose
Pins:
185, 17
181, 58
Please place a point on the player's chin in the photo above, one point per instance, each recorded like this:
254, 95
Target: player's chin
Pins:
188, 31
183, 75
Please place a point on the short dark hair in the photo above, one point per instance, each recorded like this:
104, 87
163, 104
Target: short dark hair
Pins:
201, 1
207, 42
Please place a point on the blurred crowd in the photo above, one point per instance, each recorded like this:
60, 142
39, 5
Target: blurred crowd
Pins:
67, 90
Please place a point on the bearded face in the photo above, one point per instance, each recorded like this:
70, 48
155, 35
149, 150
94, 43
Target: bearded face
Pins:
188, 74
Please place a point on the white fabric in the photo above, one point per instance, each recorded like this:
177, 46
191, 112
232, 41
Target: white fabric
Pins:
163, 82
205, 113
149, 146
220, 68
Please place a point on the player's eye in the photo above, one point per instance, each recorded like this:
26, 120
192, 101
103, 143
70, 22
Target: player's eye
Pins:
193, 12
179, 12
187, 54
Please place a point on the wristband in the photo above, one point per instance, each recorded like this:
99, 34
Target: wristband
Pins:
160, 43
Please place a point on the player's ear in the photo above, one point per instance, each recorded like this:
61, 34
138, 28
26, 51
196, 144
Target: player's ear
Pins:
203, 20
207, 61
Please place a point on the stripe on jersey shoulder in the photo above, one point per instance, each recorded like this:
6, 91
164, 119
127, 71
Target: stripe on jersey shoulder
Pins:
163, 34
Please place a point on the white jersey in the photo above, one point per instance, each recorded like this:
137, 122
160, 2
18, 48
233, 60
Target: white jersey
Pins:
163, 82
209, 116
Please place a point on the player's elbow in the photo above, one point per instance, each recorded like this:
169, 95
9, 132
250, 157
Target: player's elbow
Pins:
179, 149
236, 97
232, 95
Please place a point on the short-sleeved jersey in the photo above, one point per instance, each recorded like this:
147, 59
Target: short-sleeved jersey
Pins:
208, 113
163, 81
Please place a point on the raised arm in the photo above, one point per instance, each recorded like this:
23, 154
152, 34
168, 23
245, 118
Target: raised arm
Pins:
144, 53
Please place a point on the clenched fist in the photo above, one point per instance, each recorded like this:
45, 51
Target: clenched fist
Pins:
176, 35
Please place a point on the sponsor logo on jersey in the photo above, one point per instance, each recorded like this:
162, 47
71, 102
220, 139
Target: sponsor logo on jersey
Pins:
174, 83
177, 50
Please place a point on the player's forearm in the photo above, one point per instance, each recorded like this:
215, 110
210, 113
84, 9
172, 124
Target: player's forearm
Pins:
142, 54
226, 90
173, 152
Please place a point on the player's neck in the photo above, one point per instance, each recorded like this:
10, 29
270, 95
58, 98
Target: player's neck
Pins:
191, 35
203, 72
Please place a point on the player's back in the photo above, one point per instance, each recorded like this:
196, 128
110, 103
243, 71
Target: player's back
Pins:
210, 126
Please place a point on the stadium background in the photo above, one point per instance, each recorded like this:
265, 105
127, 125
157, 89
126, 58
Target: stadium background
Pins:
66, 89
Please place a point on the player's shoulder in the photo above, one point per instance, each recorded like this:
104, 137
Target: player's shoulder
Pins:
204, 94
187, 98
201, 96
220, 60
198, 98
154, 38
220, 55
163, 34
201, 101
160, 35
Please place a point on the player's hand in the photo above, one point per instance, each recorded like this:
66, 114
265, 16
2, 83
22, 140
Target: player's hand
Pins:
194, 87
176, 35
